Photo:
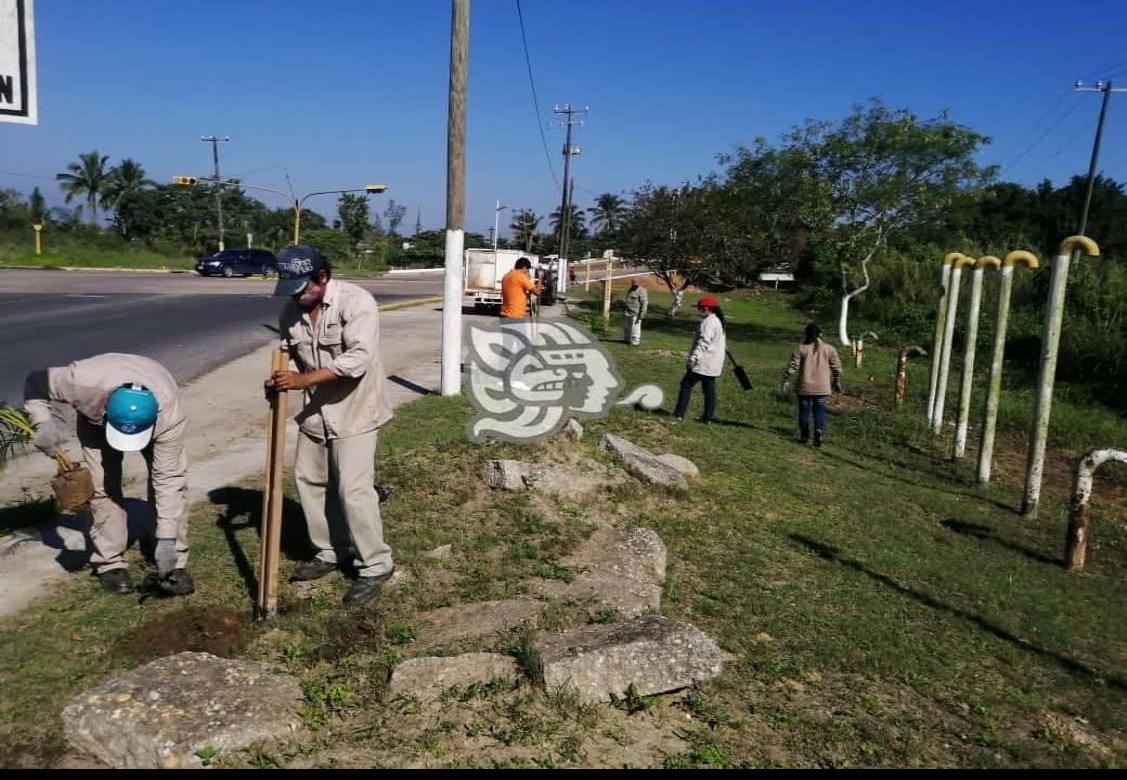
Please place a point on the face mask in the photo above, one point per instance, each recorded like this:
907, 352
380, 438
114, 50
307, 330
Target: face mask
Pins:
310, 295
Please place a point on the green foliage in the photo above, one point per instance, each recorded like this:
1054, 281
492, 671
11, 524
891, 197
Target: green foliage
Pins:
353, 212
631, 702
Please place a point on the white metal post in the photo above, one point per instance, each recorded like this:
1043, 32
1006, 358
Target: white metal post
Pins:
1046, 374
990, 412
968, 352
948, 340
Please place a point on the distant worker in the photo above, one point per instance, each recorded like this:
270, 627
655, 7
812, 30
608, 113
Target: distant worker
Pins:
331, 329
636, 304
125, 403
516, 286
706, 360
819, 373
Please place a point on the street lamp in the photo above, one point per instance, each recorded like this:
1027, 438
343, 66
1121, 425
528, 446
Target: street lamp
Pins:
497, 222
370, 189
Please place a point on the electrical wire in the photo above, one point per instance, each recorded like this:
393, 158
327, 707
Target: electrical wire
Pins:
535, 99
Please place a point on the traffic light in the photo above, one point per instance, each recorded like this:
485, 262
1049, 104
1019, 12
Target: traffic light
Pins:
184, 180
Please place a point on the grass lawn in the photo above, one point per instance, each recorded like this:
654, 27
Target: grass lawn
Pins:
877, 608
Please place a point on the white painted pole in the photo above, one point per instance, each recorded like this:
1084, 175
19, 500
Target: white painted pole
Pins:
948, 340
1046, 374
990, 412
940, 319
451, 374
968, 352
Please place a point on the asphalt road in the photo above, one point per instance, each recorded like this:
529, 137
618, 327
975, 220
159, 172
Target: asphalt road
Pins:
189, 324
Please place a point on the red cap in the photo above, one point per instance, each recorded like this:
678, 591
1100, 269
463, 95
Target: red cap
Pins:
708, 301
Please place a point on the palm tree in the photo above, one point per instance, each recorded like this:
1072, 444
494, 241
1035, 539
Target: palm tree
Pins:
524, 225
86, 177
607, 213
577, 227
123, 180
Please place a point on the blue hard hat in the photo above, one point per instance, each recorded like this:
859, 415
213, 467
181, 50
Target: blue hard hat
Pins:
296, 266
131, 413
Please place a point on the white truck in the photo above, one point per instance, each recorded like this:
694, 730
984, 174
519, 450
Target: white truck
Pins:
484, 269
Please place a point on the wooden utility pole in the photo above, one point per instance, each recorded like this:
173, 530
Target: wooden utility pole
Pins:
455, 200
270, 550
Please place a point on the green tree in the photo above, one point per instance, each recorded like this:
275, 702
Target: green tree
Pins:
576, 224
86, 178
524, 226
607, 213
394, 214
354, 218
881, 172
124, 179
37, 207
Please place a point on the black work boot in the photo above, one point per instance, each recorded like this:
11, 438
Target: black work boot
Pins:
817, 438
117, 581
312, 570
178, 583
367, 588
804, 437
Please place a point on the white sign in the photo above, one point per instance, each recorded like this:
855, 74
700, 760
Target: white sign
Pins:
17, 63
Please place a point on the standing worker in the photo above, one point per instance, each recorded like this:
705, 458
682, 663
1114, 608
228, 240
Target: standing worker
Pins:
516, 286
706, 360
637, 302
125, 403
331, 329
819, 372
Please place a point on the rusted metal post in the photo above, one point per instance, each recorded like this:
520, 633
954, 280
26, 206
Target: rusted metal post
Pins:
990, 414
940, 320
948, 340
967, 388
902, 373
1046, 374
1079, 518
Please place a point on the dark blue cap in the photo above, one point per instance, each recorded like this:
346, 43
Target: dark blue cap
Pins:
296, 266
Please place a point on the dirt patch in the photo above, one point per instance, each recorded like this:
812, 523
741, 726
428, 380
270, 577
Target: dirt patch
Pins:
204, 629
1011, 450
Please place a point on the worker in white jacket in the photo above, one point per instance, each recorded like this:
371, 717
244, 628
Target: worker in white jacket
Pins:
706, 359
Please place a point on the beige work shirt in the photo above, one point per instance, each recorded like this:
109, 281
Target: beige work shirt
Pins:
345, 340
86, 384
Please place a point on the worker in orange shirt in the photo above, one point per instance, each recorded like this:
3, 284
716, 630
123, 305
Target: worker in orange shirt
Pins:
515, 288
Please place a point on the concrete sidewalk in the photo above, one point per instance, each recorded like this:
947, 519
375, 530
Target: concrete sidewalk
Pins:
226, 443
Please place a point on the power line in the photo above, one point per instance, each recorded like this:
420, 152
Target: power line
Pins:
535, 99
28, 175
1042, 137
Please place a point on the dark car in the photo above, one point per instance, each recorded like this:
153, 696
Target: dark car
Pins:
237, 262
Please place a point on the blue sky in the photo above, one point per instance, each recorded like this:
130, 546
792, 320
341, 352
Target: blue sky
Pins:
345, 92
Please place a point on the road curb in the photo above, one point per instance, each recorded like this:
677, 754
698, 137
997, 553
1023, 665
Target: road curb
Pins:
408, 304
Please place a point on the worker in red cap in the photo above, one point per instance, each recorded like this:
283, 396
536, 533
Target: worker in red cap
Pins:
706, 359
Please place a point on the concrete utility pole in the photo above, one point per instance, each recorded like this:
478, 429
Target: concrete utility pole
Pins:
568, 151
1104, 87
214, 141
455, 200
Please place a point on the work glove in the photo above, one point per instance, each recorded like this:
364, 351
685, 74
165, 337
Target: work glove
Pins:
46, 439
784, 390
165, 556
835, 384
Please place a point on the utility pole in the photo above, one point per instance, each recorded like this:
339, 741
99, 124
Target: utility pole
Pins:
565, 244
1104, 87
214, 141
419, 221
455, 200
568, 151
